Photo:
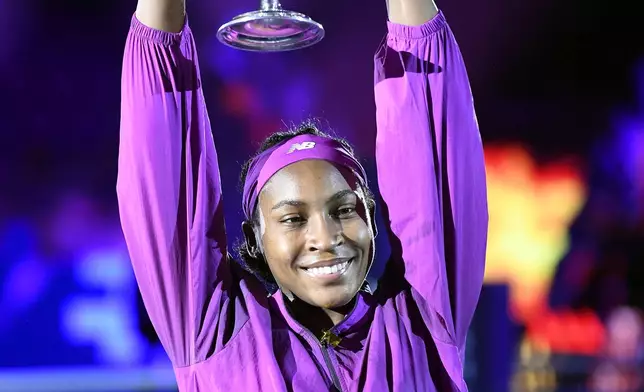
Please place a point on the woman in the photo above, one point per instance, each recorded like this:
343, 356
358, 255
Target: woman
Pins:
309, 224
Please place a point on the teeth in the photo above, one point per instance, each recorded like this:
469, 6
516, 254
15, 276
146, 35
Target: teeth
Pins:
334, 269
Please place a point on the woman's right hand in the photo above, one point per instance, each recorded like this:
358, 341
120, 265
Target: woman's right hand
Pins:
165, 15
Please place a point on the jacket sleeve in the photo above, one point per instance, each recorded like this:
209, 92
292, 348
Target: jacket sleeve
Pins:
169, 192
431, 170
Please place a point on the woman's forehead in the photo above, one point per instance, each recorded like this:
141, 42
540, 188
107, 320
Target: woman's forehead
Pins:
307, 180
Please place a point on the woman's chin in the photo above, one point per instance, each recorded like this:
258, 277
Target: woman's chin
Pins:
335, 301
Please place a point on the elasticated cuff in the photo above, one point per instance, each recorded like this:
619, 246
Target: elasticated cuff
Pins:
159, 36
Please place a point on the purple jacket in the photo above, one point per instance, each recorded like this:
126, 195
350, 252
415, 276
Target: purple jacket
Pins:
216, 322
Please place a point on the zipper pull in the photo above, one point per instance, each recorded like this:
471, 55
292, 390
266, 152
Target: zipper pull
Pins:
330, 339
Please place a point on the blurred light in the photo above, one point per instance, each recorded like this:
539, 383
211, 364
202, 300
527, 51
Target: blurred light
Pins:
240, 100
535, 372
105, 324
625, 335
87, 379
567, 332
107, 321
531, 208
108, 269
626, 151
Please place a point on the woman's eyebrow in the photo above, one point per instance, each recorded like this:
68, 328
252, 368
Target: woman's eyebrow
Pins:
340, 195
288, 202
299, 203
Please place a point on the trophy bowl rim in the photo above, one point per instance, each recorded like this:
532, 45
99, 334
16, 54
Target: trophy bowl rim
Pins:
225, 33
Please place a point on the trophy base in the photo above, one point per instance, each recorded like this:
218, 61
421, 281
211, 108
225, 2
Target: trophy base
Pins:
271, 31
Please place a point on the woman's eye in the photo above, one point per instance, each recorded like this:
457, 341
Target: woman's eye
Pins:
292, 220
346, 212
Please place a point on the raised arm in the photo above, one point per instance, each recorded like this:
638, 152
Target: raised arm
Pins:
431, 169
411, 12
168, 188
165, 15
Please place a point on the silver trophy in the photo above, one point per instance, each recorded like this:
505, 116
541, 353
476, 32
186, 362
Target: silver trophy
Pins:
271, 29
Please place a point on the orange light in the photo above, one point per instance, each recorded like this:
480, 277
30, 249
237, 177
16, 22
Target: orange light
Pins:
531, 207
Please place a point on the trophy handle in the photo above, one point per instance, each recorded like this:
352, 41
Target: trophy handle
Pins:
270, 29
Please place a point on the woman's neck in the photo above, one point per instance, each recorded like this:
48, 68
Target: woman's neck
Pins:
316, 319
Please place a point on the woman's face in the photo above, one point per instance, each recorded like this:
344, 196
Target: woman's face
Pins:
314, 233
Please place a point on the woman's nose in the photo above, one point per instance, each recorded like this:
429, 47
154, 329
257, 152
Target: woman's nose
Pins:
324, 234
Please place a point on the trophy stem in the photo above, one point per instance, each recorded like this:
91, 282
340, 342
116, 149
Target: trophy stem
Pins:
270, 5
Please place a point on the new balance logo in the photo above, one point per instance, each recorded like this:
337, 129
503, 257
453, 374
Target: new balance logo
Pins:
301, 146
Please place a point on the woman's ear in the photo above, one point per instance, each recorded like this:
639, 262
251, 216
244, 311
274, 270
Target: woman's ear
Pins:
250, 236
372, 218
369, 205
254, 246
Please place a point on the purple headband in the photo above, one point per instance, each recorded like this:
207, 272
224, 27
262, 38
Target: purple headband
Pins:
299, 148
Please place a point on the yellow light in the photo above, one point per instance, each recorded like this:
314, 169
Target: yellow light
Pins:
531, 208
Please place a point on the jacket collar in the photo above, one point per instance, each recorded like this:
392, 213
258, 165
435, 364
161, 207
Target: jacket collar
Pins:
353, 319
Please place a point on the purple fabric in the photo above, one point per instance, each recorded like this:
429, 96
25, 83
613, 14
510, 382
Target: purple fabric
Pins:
216, 323
302, 147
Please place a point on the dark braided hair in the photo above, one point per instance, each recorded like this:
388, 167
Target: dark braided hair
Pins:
254, 263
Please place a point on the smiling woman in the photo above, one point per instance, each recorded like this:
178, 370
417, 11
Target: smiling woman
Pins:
309, 229
354, 191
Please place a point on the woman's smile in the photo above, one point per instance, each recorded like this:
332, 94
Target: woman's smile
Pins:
329, 271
